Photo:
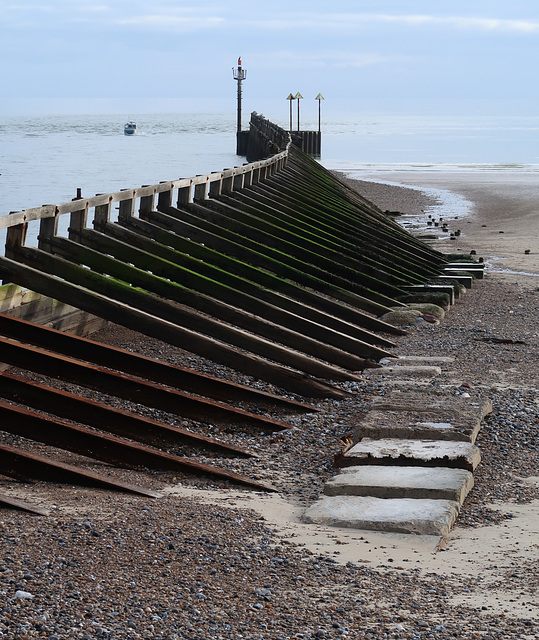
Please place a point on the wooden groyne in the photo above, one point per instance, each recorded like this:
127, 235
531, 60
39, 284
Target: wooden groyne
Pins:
276, 269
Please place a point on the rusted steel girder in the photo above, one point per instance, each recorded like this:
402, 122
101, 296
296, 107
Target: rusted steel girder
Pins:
17, 463
127, 387
22, 505
122, 423
134, 364
101, 446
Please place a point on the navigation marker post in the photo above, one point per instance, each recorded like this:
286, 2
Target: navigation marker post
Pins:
298, 97
319, 97
239, 75
290, 98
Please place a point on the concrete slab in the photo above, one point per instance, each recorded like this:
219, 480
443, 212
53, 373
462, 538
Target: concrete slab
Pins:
427, 453
402, 482
443, 403
414, 425
419, 360
404, 371
420, 517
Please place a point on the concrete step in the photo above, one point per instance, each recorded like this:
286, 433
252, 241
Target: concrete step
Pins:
427, 453
402, 482
404, 515
442, 404
402, 370
412, 425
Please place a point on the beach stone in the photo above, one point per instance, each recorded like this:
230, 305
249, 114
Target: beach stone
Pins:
401, 317
402, 482
427, 307
416, 425
438, 298
403, 515
438, 453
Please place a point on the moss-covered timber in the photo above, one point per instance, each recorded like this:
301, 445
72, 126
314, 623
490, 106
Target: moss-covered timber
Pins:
304, 302
180, 315
199, 293
151, 324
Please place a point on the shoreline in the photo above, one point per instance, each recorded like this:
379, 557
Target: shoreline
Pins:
209, 561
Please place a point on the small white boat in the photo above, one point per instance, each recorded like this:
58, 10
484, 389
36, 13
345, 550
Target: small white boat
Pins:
130, 128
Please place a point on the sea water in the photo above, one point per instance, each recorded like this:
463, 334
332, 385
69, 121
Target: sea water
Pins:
45, 159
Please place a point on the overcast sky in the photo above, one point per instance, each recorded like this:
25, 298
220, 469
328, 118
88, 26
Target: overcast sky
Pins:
387, 51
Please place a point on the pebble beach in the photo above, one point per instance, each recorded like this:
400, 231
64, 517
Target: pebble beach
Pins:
210, 560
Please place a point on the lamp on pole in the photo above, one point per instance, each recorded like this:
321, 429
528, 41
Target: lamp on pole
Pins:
298, 97
290, 98
319, 97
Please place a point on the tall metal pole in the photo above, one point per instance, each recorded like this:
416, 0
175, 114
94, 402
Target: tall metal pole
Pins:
239, 75
290, 98
319, 97
298, 97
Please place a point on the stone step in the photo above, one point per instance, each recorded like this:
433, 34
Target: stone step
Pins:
403, 515
402, 482
402, 370
426, 453
413, 425
443, 404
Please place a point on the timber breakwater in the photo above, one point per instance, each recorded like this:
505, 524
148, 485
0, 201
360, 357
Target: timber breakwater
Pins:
275, 269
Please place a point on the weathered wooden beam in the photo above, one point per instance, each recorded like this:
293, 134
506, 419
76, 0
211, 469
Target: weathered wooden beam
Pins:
220, 301
179, 314
282, 293
22, 505
154, 326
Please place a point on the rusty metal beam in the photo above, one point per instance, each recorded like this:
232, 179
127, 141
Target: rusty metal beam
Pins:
127, 387
22, 505
17, 463
101, 446
112, 420
134, 364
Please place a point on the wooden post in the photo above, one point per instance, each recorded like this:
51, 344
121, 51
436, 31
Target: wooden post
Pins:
215, 187
184, 196
146, 204
48, 228
164, 199
200, 192
127, 208
15, 238
101, 214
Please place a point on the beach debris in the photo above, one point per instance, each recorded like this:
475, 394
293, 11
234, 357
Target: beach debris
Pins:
527, 252
500, 340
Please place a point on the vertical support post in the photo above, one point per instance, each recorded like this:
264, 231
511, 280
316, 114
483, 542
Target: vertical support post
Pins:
15, 238
48, 228
164, 199
101, 214
184, 196
215, 188
200, 192
77, 219
127, 209
239, 75
146, 205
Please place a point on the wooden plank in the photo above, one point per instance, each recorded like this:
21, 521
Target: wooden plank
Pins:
151, 325
110, 419
267, 287
219, 301
17, 463
179, 314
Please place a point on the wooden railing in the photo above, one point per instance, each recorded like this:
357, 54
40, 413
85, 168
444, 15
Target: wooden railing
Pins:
182, 191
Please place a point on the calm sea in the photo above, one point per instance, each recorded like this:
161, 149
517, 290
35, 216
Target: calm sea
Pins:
44, 159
